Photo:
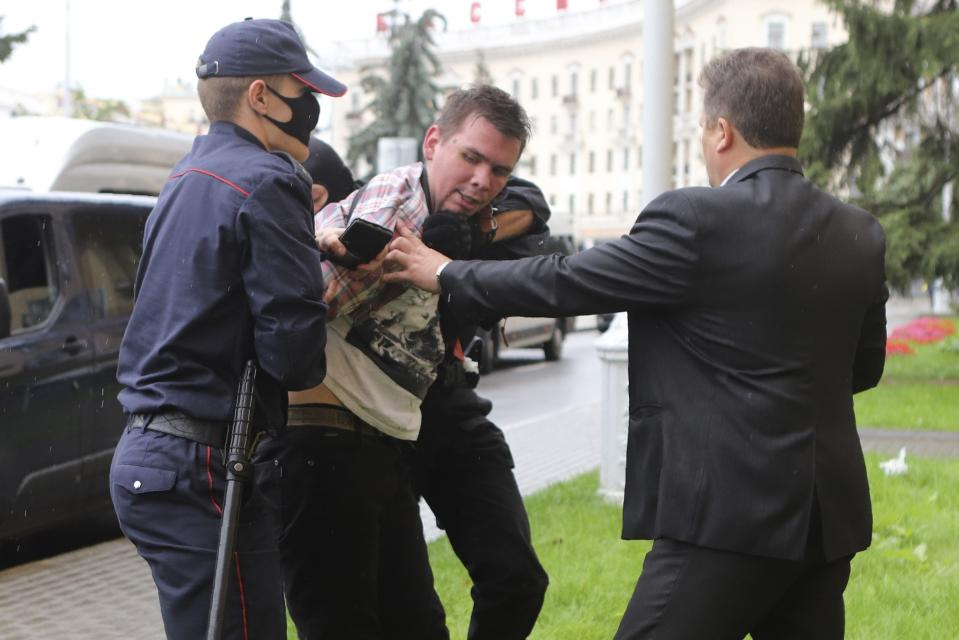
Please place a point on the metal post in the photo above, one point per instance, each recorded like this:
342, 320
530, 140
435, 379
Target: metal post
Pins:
658, 74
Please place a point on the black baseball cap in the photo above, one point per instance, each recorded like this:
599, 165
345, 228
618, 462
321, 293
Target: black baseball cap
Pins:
263, 48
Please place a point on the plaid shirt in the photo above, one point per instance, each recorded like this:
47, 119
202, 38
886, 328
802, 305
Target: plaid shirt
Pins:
384, 340
386, 199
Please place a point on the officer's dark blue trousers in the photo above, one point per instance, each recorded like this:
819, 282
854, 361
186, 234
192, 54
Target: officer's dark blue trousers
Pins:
354, 558
168, 494
464, 470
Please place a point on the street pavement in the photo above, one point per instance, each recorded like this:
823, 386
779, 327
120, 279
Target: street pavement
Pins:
105, 592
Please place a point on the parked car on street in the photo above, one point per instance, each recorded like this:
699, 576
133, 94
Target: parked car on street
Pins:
67, 268
547, 334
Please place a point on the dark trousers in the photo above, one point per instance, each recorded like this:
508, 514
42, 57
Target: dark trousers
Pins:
168, 493
686, 591
464, 471
354, 559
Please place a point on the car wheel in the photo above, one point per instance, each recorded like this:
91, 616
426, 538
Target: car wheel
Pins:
490, 352
553, 348
603, 321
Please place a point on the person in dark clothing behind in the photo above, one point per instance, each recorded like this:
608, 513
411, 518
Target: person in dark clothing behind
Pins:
463, 466
230, 272
332, 180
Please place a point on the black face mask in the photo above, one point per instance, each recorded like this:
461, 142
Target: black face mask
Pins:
306, 113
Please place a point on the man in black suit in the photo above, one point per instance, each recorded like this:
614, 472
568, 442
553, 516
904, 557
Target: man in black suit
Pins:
756, 310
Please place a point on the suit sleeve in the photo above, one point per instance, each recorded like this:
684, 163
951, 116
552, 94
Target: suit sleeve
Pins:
654, 265
283, 282
871, 349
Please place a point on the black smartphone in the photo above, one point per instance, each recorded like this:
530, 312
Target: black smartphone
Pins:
363, 240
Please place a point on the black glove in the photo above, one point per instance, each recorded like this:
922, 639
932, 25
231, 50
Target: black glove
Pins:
450, 233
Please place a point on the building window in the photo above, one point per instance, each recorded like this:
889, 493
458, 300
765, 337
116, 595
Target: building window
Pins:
592, 161
639, 157
572, 203
626, 159
592, 81
776, 32
589, 204
552, 199
572, 164
609, 120
819, 35
516, 89
627, 74
609, 160
573, 83
532, 165
572, 124
554, 85
592, 121
534, 88
28, 265
612, 77
552, 165
625, 200
553, 124
609, 202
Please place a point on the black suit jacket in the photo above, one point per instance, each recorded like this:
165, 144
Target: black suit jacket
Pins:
756, 310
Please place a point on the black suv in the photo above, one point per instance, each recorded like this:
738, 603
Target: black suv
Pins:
67, 267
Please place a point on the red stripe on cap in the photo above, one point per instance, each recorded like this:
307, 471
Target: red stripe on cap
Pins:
316, 88
214, 176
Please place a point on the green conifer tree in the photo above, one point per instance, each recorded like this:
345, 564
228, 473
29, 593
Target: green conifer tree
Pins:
8, 40
404, 98
883, 126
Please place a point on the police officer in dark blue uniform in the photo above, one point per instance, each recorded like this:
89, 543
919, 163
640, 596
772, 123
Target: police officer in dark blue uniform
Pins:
229, 272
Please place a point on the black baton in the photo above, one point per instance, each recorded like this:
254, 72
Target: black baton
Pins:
239, 470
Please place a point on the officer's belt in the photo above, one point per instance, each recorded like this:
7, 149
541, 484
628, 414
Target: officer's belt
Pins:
311, 415
174, 423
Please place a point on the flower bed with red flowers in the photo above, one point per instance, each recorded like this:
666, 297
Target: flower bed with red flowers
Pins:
924, 330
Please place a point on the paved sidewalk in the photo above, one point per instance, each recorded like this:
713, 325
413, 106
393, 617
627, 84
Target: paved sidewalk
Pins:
105, 592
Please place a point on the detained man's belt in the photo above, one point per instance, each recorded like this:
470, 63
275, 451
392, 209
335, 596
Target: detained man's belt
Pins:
174, 423
311, 415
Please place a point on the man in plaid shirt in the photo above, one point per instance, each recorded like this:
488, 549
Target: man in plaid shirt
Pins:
355, 561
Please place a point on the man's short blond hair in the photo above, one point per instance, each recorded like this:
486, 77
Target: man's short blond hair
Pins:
220, 96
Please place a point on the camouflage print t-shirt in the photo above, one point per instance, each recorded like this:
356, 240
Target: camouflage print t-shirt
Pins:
384, 342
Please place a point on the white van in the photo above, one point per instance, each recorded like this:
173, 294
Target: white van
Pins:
65, 154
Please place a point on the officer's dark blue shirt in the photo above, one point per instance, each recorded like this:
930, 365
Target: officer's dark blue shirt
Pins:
229, 271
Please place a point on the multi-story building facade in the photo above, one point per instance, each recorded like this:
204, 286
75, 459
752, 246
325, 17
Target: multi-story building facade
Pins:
579, 76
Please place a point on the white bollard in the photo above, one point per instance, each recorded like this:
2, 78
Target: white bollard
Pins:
613, 350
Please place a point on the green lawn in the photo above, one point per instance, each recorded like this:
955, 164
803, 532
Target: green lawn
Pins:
918, 391
905, 586
919, 406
